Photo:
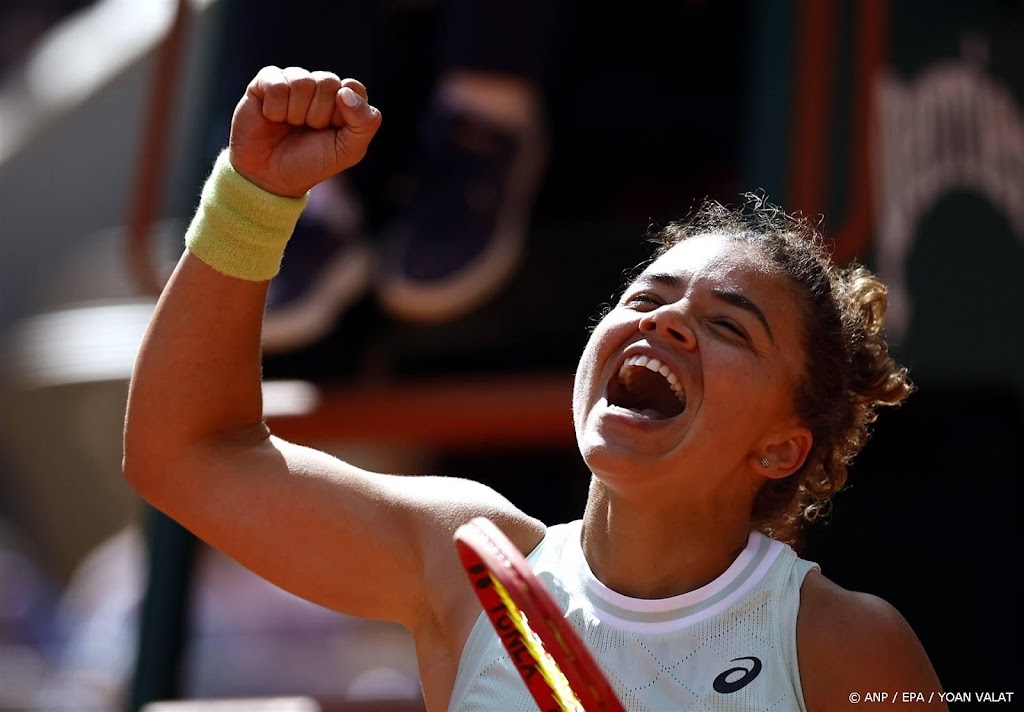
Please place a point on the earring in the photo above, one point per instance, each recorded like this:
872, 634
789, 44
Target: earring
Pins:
765, 462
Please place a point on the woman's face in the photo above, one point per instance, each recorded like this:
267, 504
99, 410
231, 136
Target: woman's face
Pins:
723, 325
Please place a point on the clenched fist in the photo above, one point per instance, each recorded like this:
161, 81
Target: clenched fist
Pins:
295, 128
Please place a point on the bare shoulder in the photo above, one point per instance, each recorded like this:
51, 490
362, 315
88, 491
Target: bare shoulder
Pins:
851, 643
452, 503
443, 504
446, 503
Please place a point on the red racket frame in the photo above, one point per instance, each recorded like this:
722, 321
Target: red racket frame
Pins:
484, 550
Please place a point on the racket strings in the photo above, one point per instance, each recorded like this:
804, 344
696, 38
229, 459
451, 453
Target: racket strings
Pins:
546, 665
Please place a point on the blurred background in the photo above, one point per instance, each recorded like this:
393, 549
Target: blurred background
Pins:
579, 127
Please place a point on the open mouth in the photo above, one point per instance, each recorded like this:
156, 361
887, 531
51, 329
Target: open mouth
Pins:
647, 387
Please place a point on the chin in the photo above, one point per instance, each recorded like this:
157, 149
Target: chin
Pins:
614, 462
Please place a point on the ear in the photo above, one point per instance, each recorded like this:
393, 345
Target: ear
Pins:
784, 452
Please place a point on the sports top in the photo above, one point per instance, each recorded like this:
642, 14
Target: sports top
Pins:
729, 645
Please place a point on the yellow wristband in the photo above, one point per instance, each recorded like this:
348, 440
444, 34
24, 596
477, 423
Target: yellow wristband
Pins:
240, 229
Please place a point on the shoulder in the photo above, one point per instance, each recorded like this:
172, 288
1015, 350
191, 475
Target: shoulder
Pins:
855, 642
449, 503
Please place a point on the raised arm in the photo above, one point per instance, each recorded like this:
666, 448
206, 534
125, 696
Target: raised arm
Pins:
195, 444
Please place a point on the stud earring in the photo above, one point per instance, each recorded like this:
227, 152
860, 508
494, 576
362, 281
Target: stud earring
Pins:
765, 462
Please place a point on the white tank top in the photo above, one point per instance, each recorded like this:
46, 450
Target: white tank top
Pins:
729, 645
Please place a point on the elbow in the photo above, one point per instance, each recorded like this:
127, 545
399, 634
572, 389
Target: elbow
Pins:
138, 445
132, 469
155, 472
160, 467
138, 465
146, 458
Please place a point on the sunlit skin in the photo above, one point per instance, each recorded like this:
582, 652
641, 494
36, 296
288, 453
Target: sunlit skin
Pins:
693, 477
670, 501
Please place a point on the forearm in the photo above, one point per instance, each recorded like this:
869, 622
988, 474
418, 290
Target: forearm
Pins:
195, 444
197, 375
198, 371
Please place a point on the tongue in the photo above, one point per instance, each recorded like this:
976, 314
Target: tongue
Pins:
651, 413
645, 413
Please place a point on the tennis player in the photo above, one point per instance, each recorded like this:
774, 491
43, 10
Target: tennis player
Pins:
716, 404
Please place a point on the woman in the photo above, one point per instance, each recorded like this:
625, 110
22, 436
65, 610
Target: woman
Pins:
717, 402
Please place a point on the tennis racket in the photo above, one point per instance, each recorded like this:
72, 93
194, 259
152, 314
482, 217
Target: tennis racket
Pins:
552, 660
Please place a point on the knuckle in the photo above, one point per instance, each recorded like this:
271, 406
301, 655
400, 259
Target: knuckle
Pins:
326, 78
304, 84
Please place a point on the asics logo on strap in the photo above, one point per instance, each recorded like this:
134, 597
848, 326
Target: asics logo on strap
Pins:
724, 685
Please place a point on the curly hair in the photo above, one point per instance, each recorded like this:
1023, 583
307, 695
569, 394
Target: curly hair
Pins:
848, 372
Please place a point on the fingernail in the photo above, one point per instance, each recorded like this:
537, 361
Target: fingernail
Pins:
349, 97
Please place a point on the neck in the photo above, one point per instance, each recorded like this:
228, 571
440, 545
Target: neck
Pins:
656, 551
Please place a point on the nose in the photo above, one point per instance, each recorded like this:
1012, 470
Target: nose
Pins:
669, 324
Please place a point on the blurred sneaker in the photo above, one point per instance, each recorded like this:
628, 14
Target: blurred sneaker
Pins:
463, 234
326, 267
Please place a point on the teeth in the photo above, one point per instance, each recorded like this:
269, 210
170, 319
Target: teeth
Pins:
652, 364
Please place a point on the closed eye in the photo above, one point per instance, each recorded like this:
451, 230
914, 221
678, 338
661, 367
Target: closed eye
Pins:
644, 298
733, 327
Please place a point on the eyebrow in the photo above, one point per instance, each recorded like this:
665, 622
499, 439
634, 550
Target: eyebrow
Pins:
667, 280
730, 297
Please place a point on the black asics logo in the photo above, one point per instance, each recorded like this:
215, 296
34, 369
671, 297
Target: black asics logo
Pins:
724, 685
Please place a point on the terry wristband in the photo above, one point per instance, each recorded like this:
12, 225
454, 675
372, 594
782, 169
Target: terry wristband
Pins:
240, 229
